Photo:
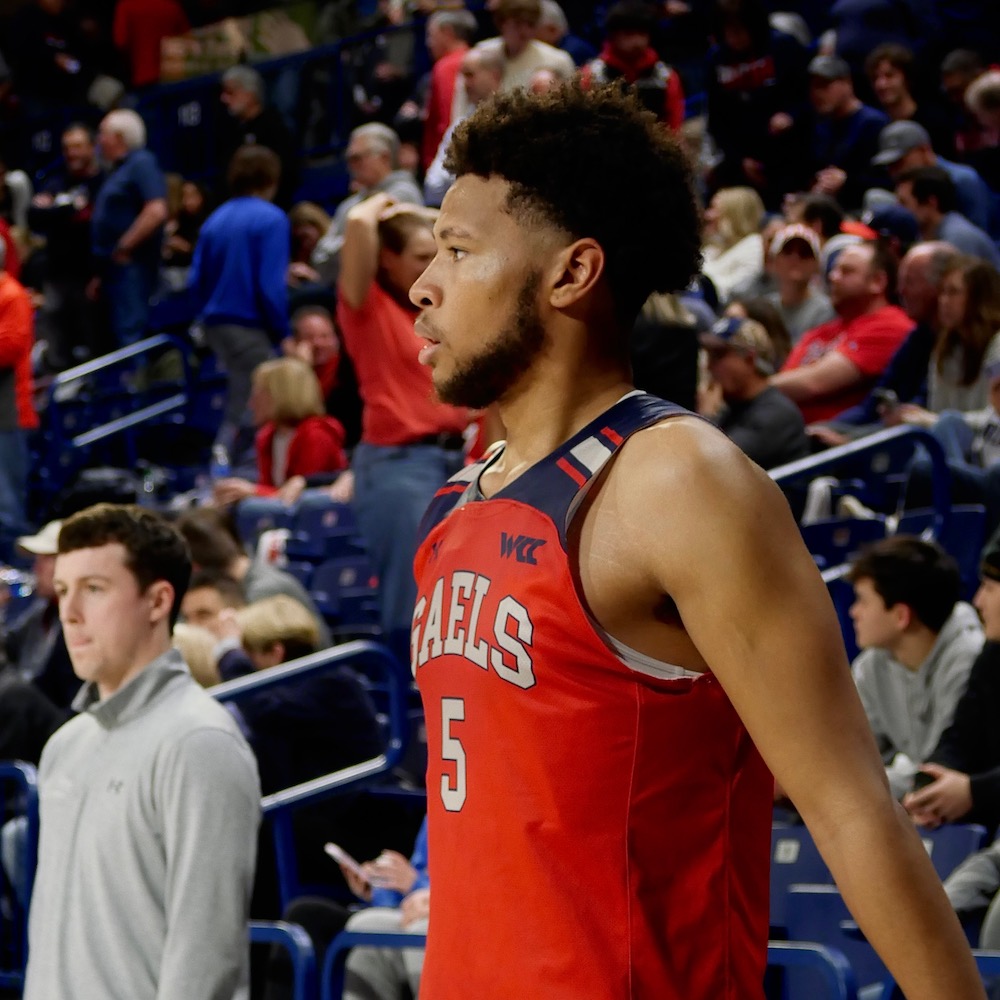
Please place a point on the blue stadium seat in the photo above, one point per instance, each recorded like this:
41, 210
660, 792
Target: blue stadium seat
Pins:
255, 515
949, 845
340, 586
322, 529
818, 913
794, 858
964, 537
837, 540
827, 971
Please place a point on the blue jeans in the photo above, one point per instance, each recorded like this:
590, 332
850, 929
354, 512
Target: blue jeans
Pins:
393, 486
970, 484
127, 288
13, 486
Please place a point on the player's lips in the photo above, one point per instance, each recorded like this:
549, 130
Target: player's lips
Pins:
426, 331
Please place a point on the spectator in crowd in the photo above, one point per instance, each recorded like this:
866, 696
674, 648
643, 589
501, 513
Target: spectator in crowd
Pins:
127, 225
295, 436
183, 227
968, 340
197, 648
905, 378
763, 311
399, 893
845, 134
929, 193
973, 886
975, 143
150, 797
309, 222
833, 366
27, 719
918, 644
890, 68
410, 443
17, 410
15, 199
734, 249
208, 595
757, 86
628, 56
982, 98
663, 349
139, 29
765, 423
822, 213
449, 34
258, 124
517, 22
894, 225
315, 340
49, 58
794, 255
214, 547
237, 283
906, 145
965, 765
34, 646
553, 29
373, 161
384, 884
482, 71
61, 212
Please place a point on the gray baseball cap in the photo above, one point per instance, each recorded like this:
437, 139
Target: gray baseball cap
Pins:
897, 139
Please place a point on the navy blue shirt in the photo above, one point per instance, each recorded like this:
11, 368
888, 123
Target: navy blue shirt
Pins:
133, 181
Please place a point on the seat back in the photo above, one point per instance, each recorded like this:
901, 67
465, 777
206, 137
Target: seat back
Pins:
949, 845
794, 858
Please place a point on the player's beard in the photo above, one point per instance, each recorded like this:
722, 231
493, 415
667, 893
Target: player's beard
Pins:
485, 378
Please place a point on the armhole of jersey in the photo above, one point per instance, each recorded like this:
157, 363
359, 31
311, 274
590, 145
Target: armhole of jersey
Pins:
631, 658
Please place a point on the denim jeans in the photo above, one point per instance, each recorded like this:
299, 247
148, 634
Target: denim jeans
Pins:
393, 486
127, 289
13, 486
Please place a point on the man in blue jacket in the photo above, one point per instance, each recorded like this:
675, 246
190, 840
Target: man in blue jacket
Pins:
238, 281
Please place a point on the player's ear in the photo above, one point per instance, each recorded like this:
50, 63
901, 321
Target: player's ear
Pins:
577, 270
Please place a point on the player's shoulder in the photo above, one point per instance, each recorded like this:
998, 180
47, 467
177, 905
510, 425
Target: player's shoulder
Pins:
685, 464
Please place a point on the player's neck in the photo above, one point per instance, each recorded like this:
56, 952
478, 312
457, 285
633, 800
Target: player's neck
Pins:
546, 410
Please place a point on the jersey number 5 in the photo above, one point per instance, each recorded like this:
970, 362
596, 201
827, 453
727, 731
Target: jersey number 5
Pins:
452, 793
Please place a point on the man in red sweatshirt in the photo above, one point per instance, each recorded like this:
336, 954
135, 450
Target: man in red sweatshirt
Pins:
17, 413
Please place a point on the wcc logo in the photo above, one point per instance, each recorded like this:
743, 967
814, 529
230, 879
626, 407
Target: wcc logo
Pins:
521, 547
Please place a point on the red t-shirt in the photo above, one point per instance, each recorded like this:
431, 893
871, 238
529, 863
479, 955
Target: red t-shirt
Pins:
397, 392
439, 100
17, 335
868, 342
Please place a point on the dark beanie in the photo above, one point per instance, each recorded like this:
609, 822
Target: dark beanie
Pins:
990, 563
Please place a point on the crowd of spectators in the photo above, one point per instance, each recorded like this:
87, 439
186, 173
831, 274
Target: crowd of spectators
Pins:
851, 183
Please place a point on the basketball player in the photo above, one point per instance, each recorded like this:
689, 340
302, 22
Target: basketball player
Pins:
618, 631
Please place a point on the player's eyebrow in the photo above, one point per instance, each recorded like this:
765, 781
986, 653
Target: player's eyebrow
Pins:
454, 232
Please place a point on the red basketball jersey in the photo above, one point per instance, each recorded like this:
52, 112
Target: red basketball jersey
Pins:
599, 822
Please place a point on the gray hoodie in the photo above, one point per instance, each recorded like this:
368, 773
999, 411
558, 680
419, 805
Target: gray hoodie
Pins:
908, 710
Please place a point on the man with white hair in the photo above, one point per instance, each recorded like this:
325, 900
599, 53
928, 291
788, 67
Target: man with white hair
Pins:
373, 162
127, 225
258, 124
17, 413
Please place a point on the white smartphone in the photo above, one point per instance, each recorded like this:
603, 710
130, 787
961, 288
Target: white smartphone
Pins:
343, 858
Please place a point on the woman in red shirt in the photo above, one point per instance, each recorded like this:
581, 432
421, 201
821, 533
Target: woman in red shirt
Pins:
295, 435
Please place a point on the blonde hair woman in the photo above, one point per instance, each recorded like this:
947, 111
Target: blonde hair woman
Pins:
276, 629
295, 436
733, 247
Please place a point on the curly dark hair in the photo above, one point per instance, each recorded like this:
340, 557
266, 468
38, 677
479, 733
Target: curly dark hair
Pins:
595, 164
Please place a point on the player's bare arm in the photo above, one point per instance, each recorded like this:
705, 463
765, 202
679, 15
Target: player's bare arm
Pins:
699, 527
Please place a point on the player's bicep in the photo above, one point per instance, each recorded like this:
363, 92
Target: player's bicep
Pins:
754, 604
